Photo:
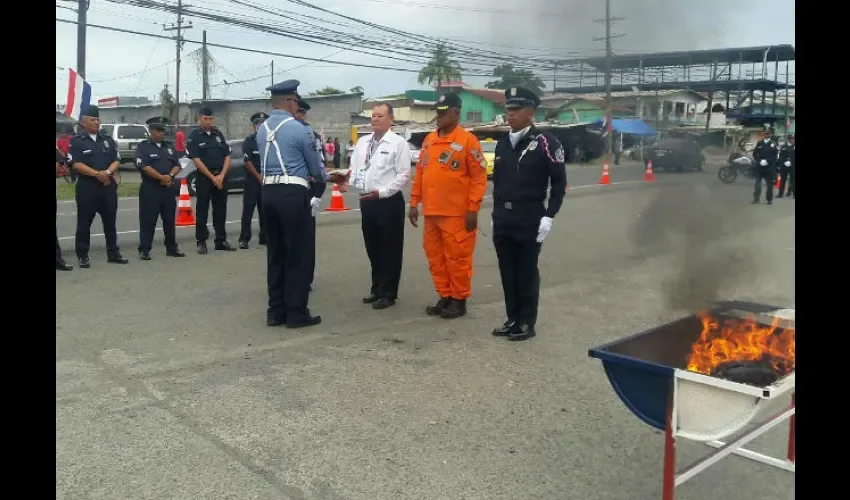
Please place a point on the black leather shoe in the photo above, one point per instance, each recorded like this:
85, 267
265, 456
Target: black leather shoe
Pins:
383, 303
243, 245
144, 255
755, 202
523, 332
455, 309
437, 309
62, 266
305, 322
117, 259
275, 321
223, 245
84, 262
770, 202
369, 299
506, 329
202, 248
174, 253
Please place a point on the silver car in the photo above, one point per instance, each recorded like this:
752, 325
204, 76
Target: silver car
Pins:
127, 136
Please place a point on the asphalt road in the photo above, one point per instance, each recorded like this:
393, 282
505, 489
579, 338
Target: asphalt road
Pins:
170, 386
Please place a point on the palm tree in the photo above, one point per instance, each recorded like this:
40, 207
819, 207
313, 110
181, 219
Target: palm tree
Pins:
441, 67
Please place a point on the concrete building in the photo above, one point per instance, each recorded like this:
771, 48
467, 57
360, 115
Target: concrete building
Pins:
330, 114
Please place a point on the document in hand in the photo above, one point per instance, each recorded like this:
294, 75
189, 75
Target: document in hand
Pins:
339, 175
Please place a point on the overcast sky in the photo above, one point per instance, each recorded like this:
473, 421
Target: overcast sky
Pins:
485, 32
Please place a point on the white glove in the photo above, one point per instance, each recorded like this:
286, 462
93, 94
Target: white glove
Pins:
545, 227
314, 205
763, 163
788, 163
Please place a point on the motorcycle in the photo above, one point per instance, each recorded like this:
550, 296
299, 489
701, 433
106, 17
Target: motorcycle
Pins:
737, 164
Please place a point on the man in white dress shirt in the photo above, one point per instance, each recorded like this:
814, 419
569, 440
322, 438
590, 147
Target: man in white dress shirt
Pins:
380, 168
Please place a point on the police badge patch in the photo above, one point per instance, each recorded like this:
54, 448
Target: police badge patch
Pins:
455, 165
218, 139
170, 151
559, 155
444, 156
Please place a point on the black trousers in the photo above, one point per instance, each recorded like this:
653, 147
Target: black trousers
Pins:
58, 249
768, 176
251, 199
787, 179
206, 194
156, 202
93, 198
313, 254
382, 222
290, 246
517, 251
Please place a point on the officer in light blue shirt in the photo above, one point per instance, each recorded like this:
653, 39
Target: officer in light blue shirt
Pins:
318, 188
287, 160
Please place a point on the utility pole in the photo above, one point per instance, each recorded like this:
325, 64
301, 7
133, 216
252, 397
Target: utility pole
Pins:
82, 8
205, 74
272, 75
178, 27
609, 143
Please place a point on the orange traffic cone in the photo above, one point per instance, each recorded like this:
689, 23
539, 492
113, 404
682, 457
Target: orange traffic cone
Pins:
648, 176
605, 179
337, 201
185, 215
778, 181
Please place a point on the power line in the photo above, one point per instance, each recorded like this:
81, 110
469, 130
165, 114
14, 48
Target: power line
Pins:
257, 51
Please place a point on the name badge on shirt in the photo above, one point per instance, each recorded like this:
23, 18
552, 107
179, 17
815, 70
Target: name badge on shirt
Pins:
457, 147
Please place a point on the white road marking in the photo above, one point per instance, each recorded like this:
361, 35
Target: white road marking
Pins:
135, 231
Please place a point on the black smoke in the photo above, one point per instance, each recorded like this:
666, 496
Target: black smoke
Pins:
704, 242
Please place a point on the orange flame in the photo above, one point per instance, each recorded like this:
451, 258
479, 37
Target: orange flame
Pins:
741, 340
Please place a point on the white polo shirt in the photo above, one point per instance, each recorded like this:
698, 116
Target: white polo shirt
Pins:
383, 165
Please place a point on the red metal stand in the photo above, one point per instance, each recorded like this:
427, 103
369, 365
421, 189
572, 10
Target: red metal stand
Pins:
669, 479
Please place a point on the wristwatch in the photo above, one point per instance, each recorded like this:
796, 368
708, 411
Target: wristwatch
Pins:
108, 172
172, 175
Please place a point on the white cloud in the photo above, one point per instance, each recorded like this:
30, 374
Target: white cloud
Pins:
538, 27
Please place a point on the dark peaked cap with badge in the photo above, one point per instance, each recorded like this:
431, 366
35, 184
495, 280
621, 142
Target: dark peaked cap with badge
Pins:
92, 111
204, 111
288, 87
156, 123
258, 118
448, 100
302, 105
519, 97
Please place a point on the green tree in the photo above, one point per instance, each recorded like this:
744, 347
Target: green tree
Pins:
166, 100
327, 91
508, 77
356, 90
441, 67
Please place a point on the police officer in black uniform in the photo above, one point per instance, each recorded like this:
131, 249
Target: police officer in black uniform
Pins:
251, 198
765, 157
208, 148
156, 160
788, 168
94, 156
317, 188
60, 262
526, 162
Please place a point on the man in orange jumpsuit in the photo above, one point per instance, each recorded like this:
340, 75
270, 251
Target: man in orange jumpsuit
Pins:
450, 181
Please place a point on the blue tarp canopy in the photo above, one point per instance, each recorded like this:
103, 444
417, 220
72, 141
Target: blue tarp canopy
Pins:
633, 127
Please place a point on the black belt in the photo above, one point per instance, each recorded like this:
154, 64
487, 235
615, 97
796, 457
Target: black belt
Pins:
518, 205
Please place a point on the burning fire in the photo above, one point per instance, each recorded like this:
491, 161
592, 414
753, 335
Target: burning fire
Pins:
741, 340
